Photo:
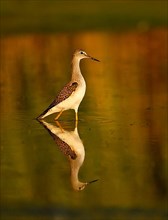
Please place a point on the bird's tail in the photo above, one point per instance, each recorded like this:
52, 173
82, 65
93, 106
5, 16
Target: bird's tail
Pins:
42, 115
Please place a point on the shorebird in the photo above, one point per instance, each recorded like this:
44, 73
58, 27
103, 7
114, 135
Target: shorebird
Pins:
71, 145
73, 92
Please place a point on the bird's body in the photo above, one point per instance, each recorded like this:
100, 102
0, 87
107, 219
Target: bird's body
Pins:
71, 146
72, 93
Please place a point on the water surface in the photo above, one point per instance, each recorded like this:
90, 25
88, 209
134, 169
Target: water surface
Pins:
122, 124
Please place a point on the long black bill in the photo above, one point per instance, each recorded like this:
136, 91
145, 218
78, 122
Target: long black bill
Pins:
92, 181
95, 59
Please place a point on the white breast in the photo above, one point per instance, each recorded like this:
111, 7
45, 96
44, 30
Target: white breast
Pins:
74, 100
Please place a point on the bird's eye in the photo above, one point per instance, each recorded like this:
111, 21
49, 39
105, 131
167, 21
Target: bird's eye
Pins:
81, 52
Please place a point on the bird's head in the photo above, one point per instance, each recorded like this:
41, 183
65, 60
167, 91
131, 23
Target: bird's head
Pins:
79, 186
80, 54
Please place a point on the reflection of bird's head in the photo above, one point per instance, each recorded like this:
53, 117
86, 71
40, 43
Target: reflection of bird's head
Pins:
80, 54
79, 186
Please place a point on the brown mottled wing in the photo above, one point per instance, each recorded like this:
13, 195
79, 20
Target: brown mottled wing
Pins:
65, 148
67, 90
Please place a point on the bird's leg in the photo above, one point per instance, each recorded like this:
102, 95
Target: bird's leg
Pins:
76, 115
59, 125
76, 118
56, 118
76, 123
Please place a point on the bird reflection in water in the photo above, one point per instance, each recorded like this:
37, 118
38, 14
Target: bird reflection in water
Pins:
71, 145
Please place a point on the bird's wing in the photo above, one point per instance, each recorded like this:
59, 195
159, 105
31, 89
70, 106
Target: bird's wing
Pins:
67, 90
65, 148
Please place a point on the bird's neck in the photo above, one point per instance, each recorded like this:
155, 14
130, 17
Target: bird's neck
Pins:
75, 166
76, 72
74, 174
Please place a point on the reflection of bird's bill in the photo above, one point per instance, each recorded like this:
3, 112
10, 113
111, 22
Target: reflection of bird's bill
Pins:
92, 181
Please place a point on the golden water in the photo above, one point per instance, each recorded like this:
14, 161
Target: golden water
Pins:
123, 126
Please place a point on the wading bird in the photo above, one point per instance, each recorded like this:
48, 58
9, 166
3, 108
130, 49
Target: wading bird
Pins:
71, 146
72, 93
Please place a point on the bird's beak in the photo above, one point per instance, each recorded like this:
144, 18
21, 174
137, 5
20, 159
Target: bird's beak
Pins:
93, 58
92, 181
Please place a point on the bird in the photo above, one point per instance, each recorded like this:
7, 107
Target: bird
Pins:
73, 92
72, 147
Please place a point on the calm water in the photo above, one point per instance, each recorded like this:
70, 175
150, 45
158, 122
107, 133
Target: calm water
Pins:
122, 125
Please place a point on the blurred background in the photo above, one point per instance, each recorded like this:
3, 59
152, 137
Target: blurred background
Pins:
123, 117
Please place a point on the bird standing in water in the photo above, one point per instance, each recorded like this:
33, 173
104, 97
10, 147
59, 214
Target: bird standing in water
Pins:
72, 93
71, 146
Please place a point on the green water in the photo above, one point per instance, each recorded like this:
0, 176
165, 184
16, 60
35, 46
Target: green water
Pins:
122, 123
34, 16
